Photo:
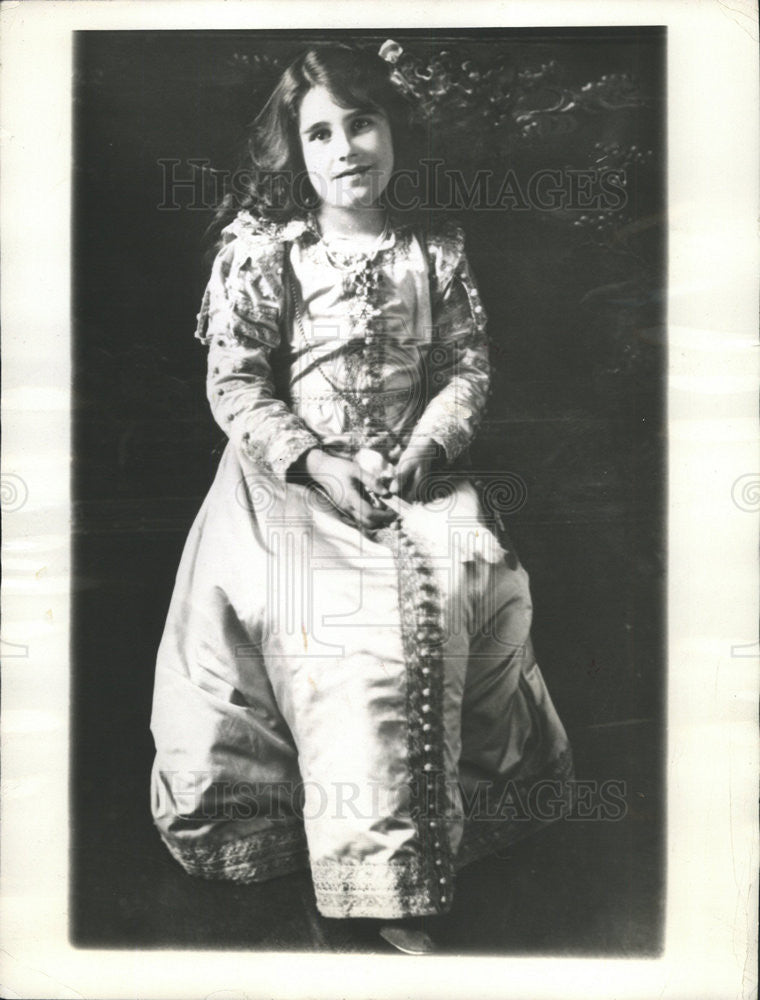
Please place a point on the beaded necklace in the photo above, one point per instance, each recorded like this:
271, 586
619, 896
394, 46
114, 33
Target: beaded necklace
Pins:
342, 260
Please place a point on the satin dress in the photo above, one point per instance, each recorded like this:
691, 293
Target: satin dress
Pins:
365, 704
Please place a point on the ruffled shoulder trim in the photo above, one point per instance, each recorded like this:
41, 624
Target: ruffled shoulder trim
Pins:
247, 277
260, 243
257, 234
446, 252
445, 246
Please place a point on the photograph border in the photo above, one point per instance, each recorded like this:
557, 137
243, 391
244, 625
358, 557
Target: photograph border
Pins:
713, 491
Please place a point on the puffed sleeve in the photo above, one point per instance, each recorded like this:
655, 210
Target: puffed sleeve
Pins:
239, 321
459, 371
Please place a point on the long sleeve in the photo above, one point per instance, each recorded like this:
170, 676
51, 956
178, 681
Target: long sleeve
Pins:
240, 323
460, 372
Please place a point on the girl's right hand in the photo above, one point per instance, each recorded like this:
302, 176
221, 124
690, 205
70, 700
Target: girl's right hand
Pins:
346, 484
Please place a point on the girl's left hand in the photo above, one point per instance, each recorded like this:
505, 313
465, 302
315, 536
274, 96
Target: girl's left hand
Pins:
414, 465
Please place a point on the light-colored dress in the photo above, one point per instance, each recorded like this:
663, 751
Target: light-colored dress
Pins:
364, 703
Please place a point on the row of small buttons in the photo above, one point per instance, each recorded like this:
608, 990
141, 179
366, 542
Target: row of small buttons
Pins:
428, 635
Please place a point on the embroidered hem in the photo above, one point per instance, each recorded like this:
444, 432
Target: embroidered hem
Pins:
392, 890
255, 858
401, 887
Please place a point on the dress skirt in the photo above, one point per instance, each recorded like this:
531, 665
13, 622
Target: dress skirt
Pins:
366, 705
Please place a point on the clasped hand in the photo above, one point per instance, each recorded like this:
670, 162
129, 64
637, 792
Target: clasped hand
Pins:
350, 482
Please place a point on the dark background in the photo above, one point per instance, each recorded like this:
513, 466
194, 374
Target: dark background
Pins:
576, 419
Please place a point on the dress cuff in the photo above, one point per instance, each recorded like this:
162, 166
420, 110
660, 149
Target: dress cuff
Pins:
451, 445
287, 451
451, 436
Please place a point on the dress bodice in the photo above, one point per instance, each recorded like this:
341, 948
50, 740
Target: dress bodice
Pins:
379, 347
360, 336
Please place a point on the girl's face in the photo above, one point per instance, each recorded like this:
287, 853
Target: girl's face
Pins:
348, 152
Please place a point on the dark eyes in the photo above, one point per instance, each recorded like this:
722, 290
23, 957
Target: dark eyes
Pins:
358, 124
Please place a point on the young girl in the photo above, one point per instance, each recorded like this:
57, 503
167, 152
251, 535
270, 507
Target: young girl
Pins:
346, 679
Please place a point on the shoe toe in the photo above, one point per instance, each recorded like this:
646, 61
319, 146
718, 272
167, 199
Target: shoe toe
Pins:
411, 942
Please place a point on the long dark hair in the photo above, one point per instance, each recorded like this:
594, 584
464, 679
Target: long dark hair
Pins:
271, 180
